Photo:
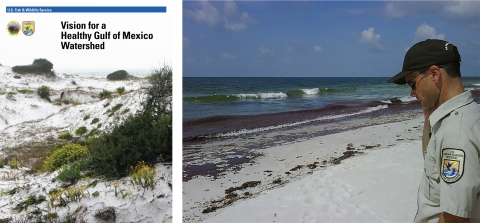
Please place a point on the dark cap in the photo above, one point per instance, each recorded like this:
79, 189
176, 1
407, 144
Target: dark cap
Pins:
424, 54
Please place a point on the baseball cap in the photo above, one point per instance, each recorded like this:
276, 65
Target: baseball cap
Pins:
424, 54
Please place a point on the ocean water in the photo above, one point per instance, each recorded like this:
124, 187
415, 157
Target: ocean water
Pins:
102, 72
222, 107
206, 97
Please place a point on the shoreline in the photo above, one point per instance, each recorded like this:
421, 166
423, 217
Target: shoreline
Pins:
214, 157
278, 166
204, 129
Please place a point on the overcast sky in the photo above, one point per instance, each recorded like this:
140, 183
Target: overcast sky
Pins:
321, 38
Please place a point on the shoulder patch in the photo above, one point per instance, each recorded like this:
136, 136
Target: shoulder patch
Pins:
453, 161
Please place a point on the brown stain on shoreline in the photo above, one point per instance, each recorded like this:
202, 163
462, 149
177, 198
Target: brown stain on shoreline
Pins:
231, 196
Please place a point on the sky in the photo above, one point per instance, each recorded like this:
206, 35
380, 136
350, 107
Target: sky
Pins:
118, 54
321, 38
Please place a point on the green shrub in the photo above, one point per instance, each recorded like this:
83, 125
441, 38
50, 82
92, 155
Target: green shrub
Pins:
2, 163
125, 111
92, 132
89, 141
25, 91
43, 65
105, 94
44, 91
81, 130
106, 104
23, 69
95, 194
87, 116
13, 191
13, 164
67, 154
115, 108
31, 200
65, 135
51, 217
117, 75
139, 138
39, 66
73, 172
6, 220
121, 90
69, 174
10, 95
95, 120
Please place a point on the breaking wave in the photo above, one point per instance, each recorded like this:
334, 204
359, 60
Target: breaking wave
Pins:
269, 95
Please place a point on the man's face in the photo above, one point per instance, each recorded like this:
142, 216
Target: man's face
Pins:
423, 89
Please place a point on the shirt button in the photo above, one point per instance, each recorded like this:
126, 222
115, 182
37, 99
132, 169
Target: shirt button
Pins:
456, 113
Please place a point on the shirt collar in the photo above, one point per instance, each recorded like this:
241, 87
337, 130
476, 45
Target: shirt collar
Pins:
450, 105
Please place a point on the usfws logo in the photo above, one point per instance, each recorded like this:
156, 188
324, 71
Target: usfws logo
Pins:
453, 161
28, 27
13, 28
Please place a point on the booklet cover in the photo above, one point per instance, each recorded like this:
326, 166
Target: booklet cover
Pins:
86, 111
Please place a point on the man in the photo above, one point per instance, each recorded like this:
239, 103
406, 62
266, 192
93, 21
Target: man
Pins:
450, 186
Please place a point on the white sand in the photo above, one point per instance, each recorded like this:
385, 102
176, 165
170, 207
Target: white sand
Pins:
377, 186
27, 119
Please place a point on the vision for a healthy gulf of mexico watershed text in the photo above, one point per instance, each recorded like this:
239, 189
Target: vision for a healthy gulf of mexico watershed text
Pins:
97, 35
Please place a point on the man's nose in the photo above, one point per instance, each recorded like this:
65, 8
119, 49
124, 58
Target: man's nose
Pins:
413, 93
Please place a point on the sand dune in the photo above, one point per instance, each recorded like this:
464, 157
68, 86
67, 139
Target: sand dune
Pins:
27, 120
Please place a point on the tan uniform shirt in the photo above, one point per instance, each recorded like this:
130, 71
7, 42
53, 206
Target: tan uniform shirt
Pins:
451, 182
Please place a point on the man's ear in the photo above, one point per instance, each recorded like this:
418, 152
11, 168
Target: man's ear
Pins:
436, 74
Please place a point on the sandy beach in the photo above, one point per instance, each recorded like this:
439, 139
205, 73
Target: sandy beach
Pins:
28, 122
365, 174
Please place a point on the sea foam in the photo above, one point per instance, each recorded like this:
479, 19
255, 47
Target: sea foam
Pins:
263, 95
311, 91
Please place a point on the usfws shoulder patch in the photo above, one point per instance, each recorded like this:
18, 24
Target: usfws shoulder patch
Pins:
453, 161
